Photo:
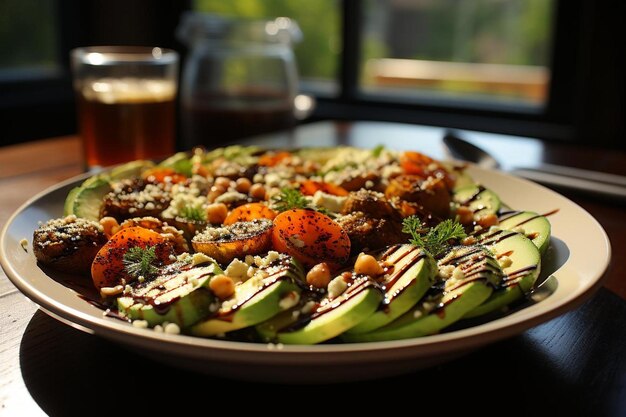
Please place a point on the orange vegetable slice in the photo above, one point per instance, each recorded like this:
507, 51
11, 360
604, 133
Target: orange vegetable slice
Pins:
272, 158
107, 269
311, 237
249, 212
310, 187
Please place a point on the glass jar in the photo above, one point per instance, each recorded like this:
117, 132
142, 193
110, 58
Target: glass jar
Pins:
239, 80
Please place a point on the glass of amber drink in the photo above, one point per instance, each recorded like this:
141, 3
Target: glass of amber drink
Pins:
126, 102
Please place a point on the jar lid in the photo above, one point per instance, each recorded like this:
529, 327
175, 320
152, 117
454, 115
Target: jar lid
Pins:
196, 26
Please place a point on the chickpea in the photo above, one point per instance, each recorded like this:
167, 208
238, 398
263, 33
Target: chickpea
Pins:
257, 191
243, 185
216, 213
215, 192
223, 182
200, 169
487, 220
465, 214
470, 240
109, 225
222, 286
319, 275
367, 265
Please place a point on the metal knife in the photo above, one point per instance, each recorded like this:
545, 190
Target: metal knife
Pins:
598, 184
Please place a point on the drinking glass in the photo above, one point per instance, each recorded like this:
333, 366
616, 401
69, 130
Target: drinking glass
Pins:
126, 102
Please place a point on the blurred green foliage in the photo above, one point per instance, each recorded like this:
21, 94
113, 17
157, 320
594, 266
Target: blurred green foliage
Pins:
318, 53
28, 36
515, 32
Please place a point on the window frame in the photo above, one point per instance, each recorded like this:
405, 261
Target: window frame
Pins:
585, 101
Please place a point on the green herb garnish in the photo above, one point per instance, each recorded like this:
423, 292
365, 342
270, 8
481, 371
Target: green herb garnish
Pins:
139, 261
192, 213
435, 239
378, 150
288, 199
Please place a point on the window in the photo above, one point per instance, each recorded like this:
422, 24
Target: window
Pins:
28, 51
489, 51
317, 54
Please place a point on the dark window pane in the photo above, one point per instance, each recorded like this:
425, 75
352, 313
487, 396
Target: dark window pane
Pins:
28, 39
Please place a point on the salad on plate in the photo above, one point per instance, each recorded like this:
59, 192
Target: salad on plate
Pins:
298, 246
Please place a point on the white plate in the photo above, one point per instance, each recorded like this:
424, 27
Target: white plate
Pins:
579, 255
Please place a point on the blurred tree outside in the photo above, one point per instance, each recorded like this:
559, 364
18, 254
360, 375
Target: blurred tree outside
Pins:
513, 34
318, 54
32, 45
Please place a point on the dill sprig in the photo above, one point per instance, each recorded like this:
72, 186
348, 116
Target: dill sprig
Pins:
139, 261
288, 199
435, 239
192, 213
378, 150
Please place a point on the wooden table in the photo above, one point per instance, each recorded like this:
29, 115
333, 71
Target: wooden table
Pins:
572, 365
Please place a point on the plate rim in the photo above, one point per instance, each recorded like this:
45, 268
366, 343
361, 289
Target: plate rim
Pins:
470, 337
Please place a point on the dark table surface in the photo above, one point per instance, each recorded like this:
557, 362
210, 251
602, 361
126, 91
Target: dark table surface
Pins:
572, 365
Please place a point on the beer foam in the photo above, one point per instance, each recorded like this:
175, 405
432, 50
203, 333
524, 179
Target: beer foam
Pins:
129, 90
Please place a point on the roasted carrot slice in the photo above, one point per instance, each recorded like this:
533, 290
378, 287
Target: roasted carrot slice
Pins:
107, 269
234, 241
161, 174
249, 212
272, 158
311, 237
310, 187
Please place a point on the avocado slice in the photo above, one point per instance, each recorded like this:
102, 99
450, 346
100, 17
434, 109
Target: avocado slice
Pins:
255, 300
179, 162
68, 206
130, 170
179, 294
448, 301
534, 226
86, 200
334, 316
268, 329
520, 273
413, 274
478, 198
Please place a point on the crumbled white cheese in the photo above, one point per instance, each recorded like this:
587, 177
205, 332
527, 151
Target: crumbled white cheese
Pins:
445, 271
231, 196
289, 300
505, 262
251, 271
458, 274
332, 203
429, 306
519, 229
141, 324
171, 328
494, 229
336, 287
237, 270
182, 201
308, 307
296, 241
200, 258
417, 314
264, 262
272, 179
